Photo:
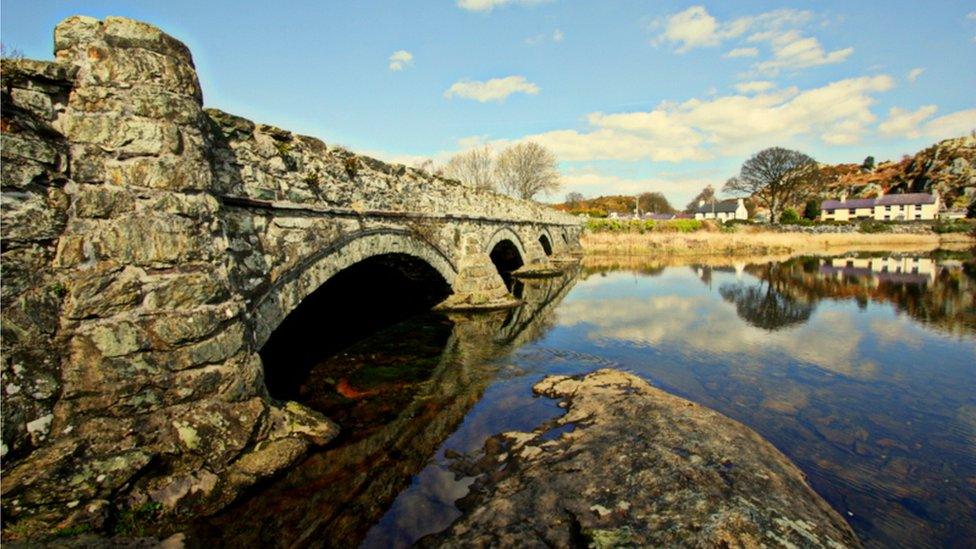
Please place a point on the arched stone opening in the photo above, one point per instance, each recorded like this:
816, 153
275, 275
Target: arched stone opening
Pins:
507, 259
546, 245
374, 294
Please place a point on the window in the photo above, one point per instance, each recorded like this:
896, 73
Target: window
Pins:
887, 208
852, 211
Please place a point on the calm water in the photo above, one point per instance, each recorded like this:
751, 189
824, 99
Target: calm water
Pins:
860, 369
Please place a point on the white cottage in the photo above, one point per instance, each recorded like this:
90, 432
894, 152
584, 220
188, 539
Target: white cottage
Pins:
722, 211
891, 207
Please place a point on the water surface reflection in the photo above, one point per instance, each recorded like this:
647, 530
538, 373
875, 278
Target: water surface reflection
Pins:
862, 369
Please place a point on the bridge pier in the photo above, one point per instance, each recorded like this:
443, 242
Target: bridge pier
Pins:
478, 284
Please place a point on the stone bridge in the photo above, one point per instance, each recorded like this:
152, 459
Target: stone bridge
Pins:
151, 247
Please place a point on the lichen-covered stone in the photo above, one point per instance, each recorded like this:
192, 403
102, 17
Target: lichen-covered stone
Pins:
639, 468
150, 248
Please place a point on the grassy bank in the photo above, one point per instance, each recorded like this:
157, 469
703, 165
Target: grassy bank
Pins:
761, 243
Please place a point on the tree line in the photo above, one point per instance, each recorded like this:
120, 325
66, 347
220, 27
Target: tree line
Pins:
523, 170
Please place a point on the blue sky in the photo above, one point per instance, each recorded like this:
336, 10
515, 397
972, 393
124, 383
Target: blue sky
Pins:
631, 96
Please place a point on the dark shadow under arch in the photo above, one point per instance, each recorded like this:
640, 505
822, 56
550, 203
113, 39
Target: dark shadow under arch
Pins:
367, 296
507, 259
546, 245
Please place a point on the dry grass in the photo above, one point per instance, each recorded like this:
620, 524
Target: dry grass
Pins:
760, 243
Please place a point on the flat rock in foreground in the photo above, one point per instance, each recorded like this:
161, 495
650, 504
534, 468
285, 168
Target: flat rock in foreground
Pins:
640, 468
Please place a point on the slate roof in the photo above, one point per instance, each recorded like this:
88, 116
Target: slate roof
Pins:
907, 198
886, 200
725, 206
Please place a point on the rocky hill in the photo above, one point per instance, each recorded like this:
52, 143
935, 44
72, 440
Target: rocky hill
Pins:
948, 167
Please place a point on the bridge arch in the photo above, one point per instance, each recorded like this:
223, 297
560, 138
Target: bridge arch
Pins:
506, 233
546, 241
293, 287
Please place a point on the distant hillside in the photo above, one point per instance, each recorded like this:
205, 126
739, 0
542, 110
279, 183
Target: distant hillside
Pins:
600, 206
948, 167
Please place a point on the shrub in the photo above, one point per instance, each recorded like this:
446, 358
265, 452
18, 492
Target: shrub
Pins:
789, 216
874, 227
812, 209
681, 226
739, 222
952, 226
352, 166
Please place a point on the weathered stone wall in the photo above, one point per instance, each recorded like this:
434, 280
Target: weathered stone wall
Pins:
149, 249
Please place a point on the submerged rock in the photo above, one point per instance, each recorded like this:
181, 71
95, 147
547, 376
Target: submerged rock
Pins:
640, 467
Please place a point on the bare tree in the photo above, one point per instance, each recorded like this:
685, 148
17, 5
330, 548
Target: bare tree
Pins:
475, 167
654, 202
574, 198
776, 177
706, 195
527, 169
10, 53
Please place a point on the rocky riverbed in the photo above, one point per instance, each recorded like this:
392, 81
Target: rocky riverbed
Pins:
631, 465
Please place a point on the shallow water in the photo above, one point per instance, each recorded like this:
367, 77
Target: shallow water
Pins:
861, 369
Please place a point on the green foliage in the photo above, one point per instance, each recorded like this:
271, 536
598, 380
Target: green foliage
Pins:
134, 521
733, 222
811, 209
789, 216
643, 226
868, 163
72, 531
953, 226
283, 147
683, 225
872, 226
57, 289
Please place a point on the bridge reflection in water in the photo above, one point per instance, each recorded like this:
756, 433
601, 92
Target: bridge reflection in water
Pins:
398, 395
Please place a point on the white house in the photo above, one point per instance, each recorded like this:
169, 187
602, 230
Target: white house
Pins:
891, 207
722, 211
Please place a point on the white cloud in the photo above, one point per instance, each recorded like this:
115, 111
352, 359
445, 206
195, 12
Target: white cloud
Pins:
912, 124
701, 129
400, 59
556, 36
592, 183
488, 5
792, 50
754, 86
696, 28
743, 52
496, 89
701, 324
914, 74
952, 125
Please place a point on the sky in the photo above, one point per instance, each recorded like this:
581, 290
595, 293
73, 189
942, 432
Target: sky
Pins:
631, 96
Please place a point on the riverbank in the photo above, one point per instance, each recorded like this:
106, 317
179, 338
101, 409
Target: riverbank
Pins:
764, 243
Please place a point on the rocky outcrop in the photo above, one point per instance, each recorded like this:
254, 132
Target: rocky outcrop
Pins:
136, 384
151, 246
947, 168
631, 465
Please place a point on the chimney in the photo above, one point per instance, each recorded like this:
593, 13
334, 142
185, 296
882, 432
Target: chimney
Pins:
740, 203
843, 197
